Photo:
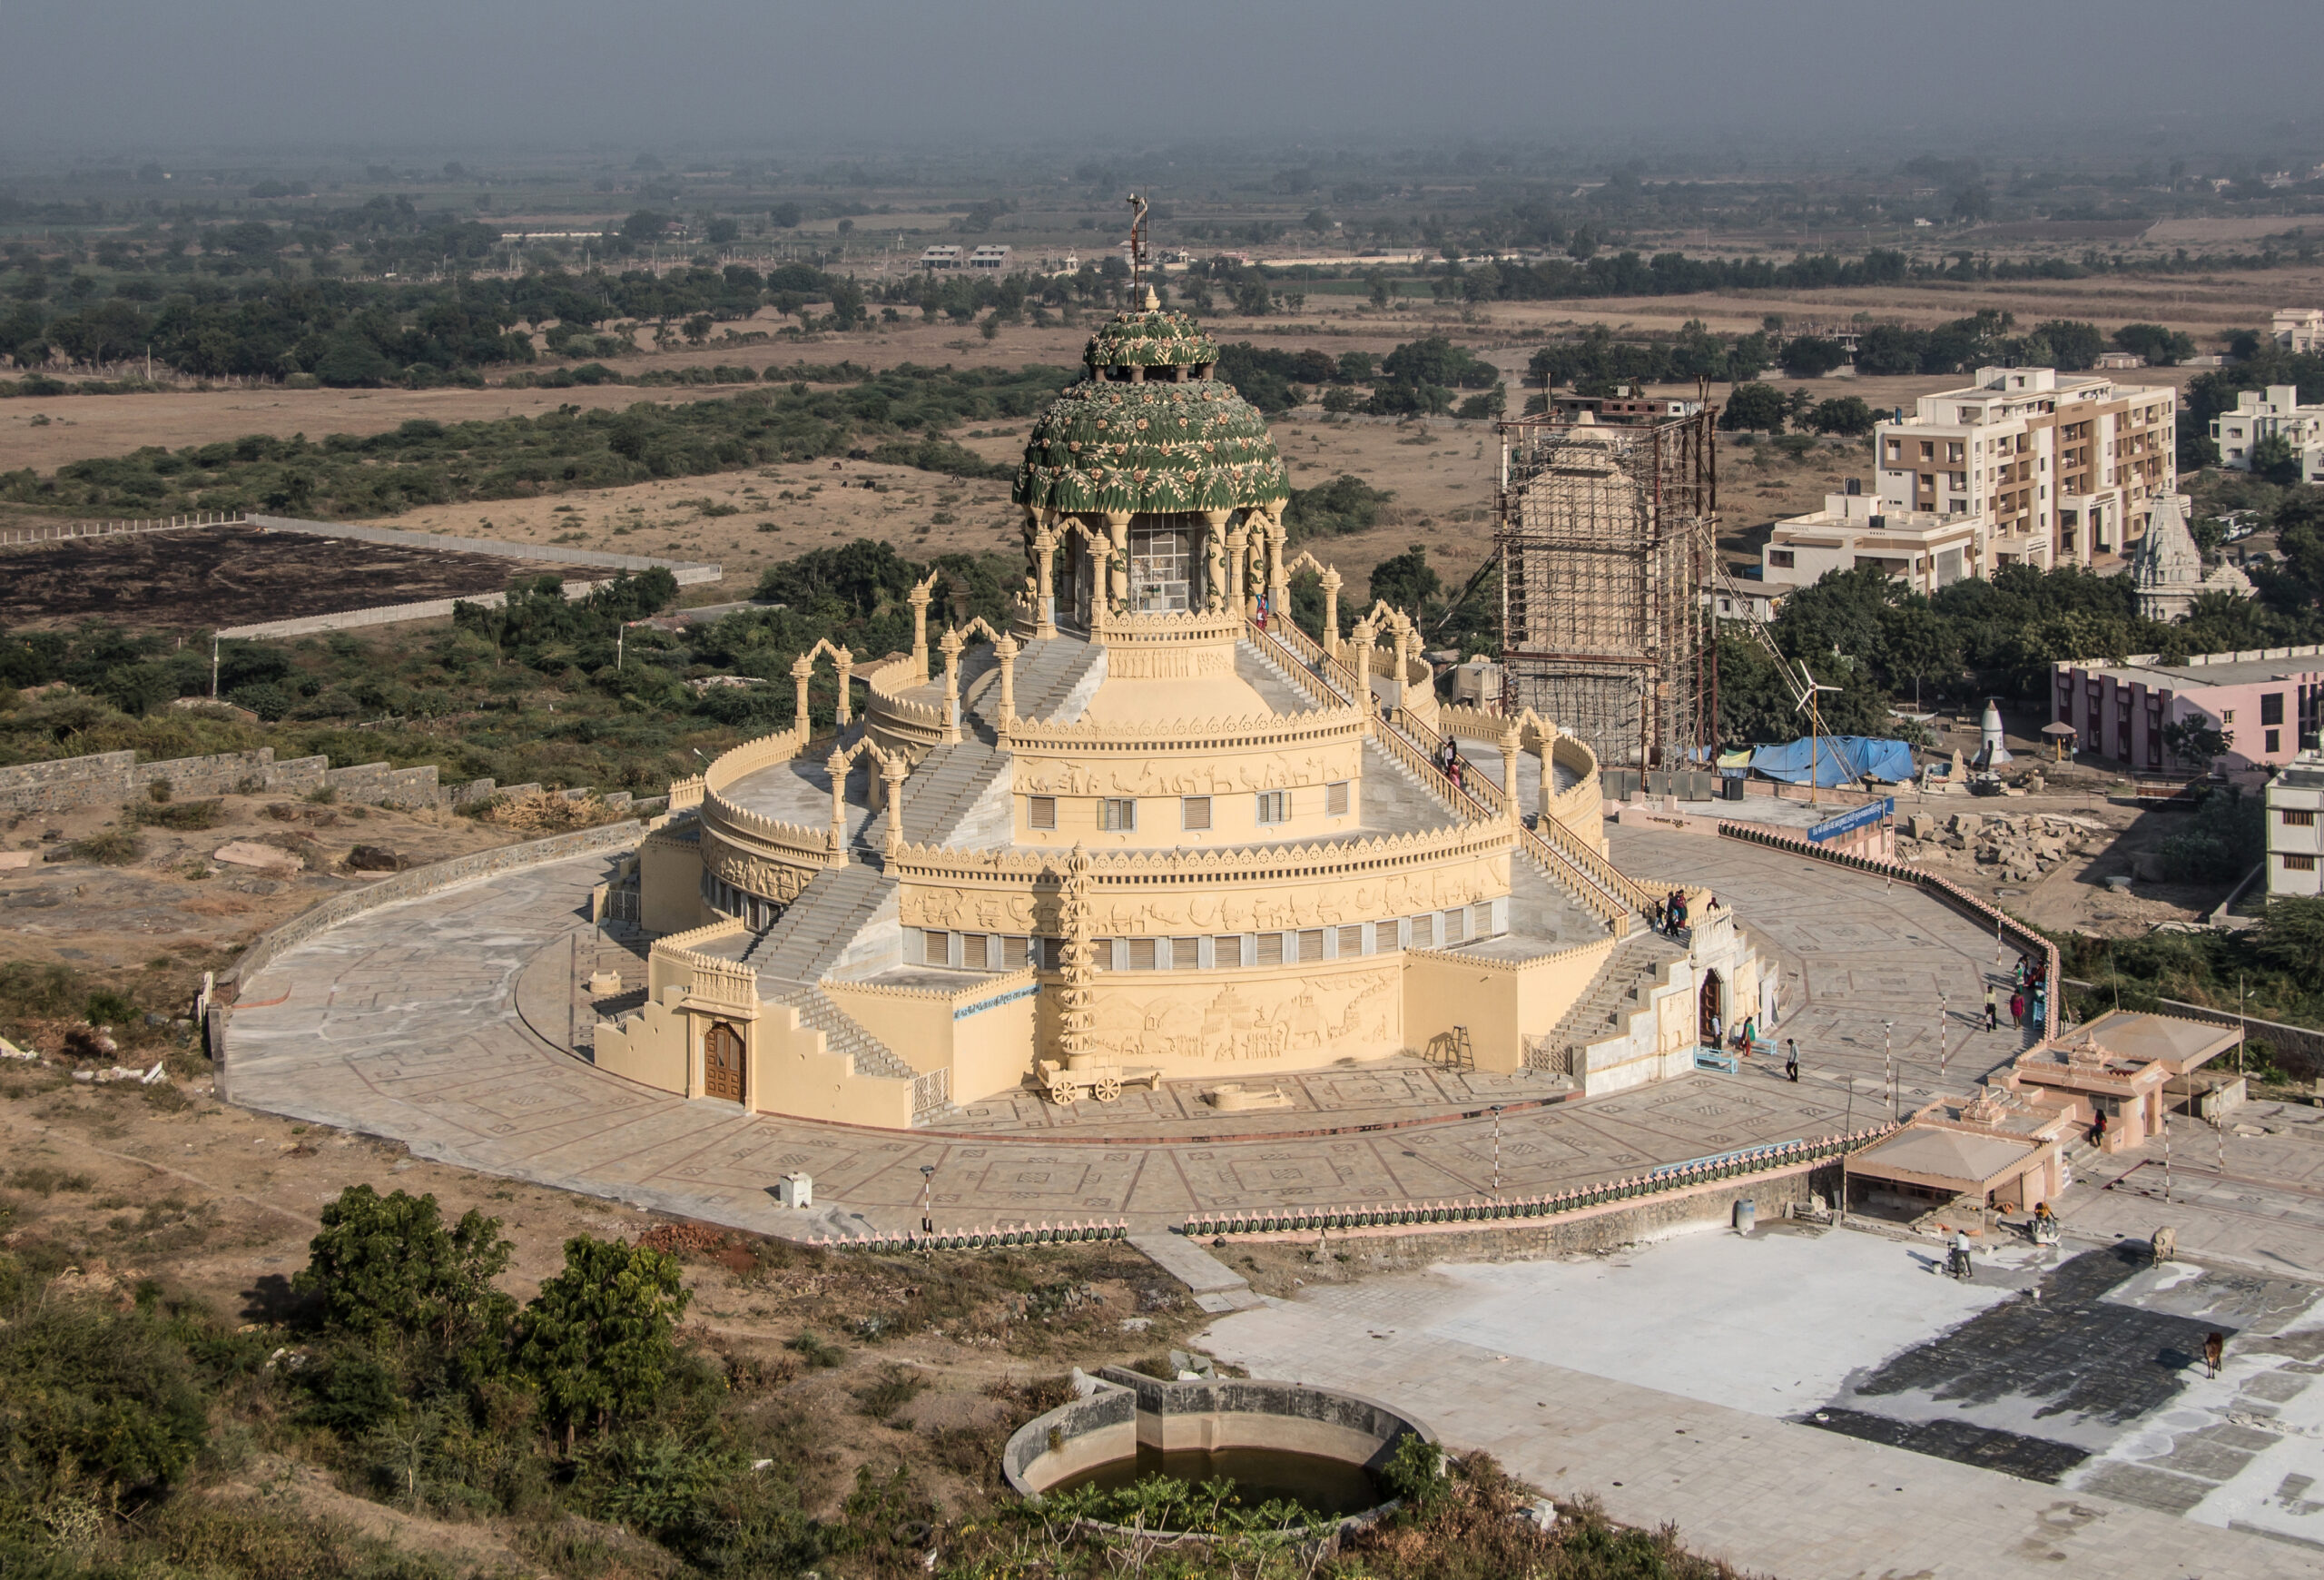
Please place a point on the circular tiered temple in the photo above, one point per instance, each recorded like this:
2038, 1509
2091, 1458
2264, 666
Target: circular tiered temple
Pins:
1152, 831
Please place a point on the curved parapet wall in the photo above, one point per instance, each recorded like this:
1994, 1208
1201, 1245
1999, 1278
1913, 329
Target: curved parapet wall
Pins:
1579, 808
1140, 1411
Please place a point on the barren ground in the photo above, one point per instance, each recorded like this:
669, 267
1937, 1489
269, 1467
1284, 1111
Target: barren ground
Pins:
204, 576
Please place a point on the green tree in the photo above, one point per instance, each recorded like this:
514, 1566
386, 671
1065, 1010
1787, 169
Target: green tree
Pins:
1844, 414
2196, 742
598, 1336
1753, 409
94, 1400
2291, 935
388, 1265
1916, 643
2274, 460
1812, 356
2160, 345
2071, 342
1406, 581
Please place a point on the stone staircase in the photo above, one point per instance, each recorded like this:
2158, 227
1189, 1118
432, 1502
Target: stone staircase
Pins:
843, 1034
1622, 987
823, 921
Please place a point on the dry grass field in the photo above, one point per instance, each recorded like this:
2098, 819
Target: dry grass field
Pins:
1441, 475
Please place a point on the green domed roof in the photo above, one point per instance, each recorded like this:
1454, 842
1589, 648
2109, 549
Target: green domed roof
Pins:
1196, 446
1152, 339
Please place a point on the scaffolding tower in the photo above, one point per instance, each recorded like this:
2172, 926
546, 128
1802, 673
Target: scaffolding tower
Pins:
1602, 529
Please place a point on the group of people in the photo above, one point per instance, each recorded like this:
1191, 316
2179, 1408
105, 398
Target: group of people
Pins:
1448, 762
1670, 914
2029, 987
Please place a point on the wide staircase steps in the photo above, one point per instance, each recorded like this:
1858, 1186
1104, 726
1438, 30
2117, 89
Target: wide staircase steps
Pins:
1047, 673
948, 782
843, 1034
1622, 987
815, 927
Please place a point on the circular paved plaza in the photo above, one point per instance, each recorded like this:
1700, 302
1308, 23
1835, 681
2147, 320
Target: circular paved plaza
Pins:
452, 1023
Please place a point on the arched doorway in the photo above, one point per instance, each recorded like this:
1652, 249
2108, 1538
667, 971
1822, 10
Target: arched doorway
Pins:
1706, 1010
722, 1062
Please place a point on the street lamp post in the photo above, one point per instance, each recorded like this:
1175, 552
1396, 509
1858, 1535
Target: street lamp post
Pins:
1496, 1151
927, 1198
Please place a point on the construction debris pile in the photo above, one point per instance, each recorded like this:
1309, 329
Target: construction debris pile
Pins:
2013, 849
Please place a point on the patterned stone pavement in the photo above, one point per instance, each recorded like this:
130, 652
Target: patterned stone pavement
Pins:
1870, 969
443, 1022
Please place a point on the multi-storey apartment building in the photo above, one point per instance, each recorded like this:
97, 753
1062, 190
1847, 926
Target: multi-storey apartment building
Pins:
2057, 467
1919, 547
2295, 838
2299, 328
2277, 414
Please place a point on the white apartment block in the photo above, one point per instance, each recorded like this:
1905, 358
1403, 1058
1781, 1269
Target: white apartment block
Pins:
2295, 799
2299, 328
2277, 413
2055, 468
1921, 548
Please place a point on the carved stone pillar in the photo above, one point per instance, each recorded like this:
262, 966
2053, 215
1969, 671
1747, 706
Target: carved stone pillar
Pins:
1332, 612
846, 662
1237, 538
1006, 651
1509, 747
836, 765
802, 671
1278, 584
892, 776
1213, 559
917, 598
951, 645
1117, 559
1045, 565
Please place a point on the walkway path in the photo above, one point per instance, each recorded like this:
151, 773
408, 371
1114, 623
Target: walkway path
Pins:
407, 1022
1461, 1347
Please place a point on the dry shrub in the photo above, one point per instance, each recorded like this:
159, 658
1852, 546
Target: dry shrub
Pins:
549, 812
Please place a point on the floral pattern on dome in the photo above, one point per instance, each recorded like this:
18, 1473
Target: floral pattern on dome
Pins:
1150, 447
1154, 339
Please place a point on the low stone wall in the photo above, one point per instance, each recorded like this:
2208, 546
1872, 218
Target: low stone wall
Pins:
107, 778
426, 880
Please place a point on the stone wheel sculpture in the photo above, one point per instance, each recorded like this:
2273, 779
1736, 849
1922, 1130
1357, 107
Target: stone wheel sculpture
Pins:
1108, 1087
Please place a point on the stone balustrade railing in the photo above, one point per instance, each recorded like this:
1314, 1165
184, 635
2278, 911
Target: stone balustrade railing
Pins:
1670, 1179
991, 1239
940, 864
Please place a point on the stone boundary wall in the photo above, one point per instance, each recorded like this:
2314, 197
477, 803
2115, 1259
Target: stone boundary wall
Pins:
109, 777
423, 881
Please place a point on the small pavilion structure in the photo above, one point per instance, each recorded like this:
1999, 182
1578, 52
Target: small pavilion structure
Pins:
1996, 1148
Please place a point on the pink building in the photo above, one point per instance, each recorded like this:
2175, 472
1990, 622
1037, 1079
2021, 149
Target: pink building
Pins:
2264, 700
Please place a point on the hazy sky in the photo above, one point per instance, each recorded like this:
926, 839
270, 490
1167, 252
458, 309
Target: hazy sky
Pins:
125, 75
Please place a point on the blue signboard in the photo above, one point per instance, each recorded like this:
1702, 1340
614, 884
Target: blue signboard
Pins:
1832, 827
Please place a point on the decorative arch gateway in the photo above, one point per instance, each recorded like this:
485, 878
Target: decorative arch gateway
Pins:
886, 791
802, 670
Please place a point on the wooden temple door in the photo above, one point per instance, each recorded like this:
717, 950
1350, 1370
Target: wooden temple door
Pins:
722, 1062
1706, 1010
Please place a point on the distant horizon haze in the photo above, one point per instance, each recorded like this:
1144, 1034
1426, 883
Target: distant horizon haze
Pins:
117, 77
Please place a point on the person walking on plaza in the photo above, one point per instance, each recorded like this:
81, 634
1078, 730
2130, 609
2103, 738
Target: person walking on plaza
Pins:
1791, 1059
1992, 1007
2214, 1351
2017, 1009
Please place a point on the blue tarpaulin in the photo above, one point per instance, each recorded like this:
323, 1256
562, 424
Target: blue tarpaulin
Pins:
1835, 759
